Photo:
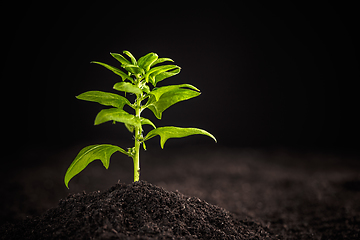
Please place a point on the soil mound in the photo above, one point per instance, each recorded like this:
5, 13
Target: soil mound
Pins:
135, 211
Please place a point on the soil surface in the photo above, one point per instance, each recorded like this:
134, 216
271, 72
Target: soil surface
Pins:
191, 194
136, 211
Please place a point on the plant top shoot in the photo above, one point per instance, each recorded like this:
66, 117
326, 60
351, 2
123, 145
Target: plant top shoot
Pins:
140, 80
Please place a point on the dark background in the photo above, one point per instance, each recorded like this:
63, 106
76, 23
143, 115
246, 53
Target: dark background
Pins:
271, 75
279, 89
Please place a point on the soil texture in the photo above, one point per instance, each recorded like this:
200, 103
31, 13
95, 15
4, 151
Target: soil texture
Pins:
194, 194
136, 211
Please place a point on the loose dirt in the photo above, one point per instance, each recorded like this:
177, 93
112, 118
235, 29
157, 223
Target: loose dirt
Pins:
207, 194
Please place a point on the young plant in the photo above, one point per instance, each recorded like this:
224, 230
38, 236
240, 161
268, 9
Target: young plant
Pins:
140, 74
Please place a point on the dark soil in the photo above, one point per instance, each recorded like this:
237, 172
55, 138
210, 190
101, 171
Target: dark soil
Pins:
229, 194
136, 211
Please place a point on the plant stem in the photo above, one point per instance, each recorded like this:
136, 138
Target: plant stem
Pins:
138, 136
136, 157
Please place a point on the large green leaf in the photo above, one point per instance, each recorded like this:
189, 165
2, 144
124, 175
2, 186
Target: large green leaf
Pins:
120, 58
127, 87
158, 92
168, 99
89, 154
175, 132
104, 98
115, 70
146, 61
119, 115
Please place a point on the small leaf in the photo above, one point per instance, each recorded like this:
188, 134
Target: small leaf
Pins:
118, 115
161, 76
127, 87
175, 132
144, 146
168, 99
115, 70
158, 92
133, 69
120, 58
133, 60
145, 121
104, 98
160, 60
150, 75
146, 61
145, 88
163, 73
89, 154
129, 127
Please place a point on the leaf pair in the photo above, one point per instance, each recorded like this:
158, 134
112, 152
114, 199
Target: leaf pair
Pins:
113, 114
160, 98
103, 152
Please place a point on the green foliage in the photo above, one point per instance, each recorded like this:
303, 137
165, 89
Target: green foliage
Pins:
162, 100
104, 98
175, 132
140, 80
89, 154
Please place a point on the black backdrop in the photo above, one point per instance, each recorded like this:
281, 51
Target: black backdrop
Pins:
270, 75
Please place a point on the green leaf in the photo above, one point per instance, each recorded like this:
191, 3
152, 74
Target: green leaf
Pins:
118, 115
151, 74
145, 121
133, 69
168, 99
115, 70
129, 127
146, 61
127, 87
133, 60
145, 88
161, 76
104, 98
158, 92
160, 60
175, 132
144, 146
89, 154
120, 58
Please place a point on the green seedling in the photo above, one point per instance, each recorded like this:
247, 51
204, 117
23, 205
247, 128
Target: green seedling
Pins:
140, 74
